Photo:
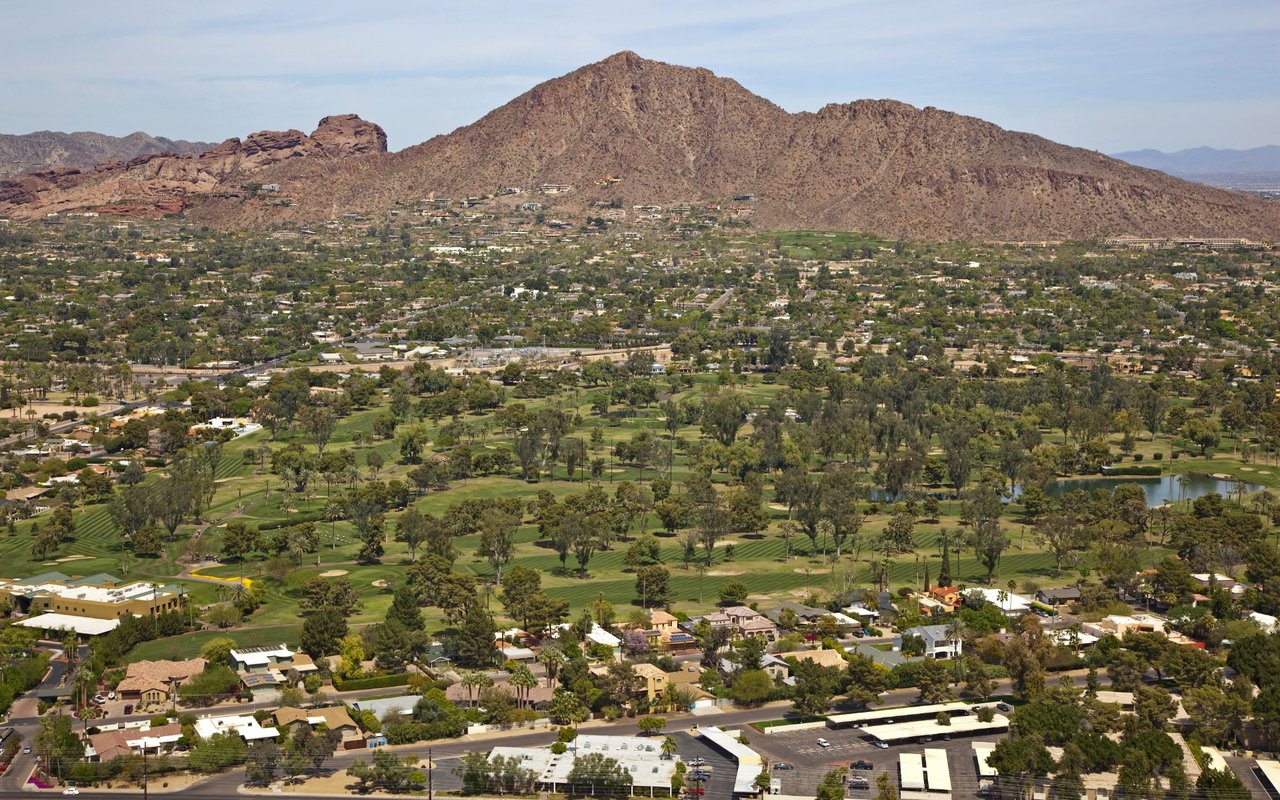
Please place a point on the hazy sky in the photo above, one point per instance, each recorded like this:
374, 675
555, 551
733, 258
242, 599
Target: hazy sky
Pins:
1105, 74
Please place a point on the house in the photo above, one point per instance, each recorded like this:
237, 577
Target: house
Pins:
333, 718
1013, 605
261, 659
949, 596
654, 682
1209, 582
110, 745
599, 636
778, 665
246, 727
1060, 596
937, 641
749, 622
535, 697
399, 705
155, 682
663, 622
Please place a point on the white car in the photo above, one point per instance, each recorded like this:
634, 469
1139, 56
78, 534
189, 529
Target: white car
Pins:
823, 743
71, 790
111, 695
99, 699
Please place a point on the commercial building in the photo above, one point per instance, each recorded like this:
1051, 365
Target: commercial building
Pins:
89, 606
651, 772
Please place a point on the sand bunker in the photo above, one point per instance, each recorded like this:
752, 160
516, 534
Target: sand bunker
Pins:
715, 573
333, 573
811, 570
380, 583
65, 559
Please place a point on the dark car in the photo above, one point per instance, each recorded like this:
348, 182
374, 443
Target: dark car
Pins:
1004, 707
783, 765
699, 775
862, 763
859, 782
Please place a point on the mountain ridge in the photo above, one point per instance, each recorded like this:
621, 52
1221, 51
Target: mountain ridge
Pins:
627, 130
44, 150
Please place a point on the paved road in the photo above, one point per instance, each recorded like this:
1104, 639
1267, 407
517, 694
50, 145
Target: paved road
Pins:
799, 748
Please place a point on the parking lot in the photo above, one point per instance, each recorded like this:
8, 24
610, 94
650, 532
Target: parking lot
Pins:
812, 761
722, 768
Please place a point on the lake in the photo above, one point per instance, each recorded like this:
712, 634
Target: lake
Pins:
1158, 489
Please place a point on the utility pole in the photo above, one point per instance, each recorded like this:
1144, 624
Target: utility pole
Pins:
430, 768
144, 769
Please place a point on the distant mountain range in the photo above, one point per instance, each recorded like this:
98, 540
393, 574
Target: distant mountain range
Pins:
47, 150
628, 131
1256, 168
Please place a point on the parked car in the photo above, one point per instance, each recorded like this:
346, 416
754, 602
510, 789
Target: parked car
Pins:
862, 764
1005, 707
111, 695
880, 745
696, 762
823, 743
699, 775
696, 791
99, 699
128, 709
26, 751
783, 765
859, 782
71, 790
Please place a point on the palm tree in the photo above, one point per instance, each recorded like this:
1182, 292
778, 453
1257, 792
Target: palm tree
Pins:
523, 679
669, 746
553, 659
474, 679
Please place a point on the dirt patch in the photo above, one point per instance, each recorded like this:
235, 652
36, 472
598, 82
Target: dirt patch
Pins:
759, 597
812, 571
333, 573
777, 507
717, 573
728, 542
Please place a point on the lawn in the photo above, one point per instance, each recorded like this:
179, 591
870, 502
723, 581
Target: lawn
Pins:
758, 560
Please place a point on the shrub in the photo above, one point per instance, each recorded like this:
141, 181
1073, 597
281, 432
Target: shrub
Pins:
1137, 456
1157, 456
372, 682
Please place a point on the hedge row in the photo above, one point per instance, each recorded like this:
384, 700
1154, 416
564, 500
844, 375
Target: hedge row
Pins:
296, 519
1133, 470
374, 682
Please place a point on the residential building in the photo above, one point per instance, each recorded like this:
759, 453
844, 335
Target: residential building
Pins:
1059, 596
244, 726
937, 641
156, 682
333, 718
110, 745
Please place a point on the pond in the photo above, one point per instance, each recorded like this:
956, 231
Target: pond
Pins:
1157, 488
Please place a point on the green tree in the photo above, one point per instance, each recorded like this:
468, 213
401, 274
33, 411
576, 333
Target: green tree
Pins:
751, 687
322, 631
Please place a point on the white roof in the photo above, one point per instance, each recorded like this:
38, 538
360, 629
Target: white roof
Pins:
85, 626
646, 769
245, 726
1267, 621
749, 761
938, 771
260, 658
601, 636
898, 731
981, 752
1213, 759
1011, 604
911, 770
858, 719
1271, 772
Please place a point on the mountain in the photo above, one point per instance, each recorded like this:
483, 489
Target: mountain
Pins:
45, 150
632, 131
1256, 168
